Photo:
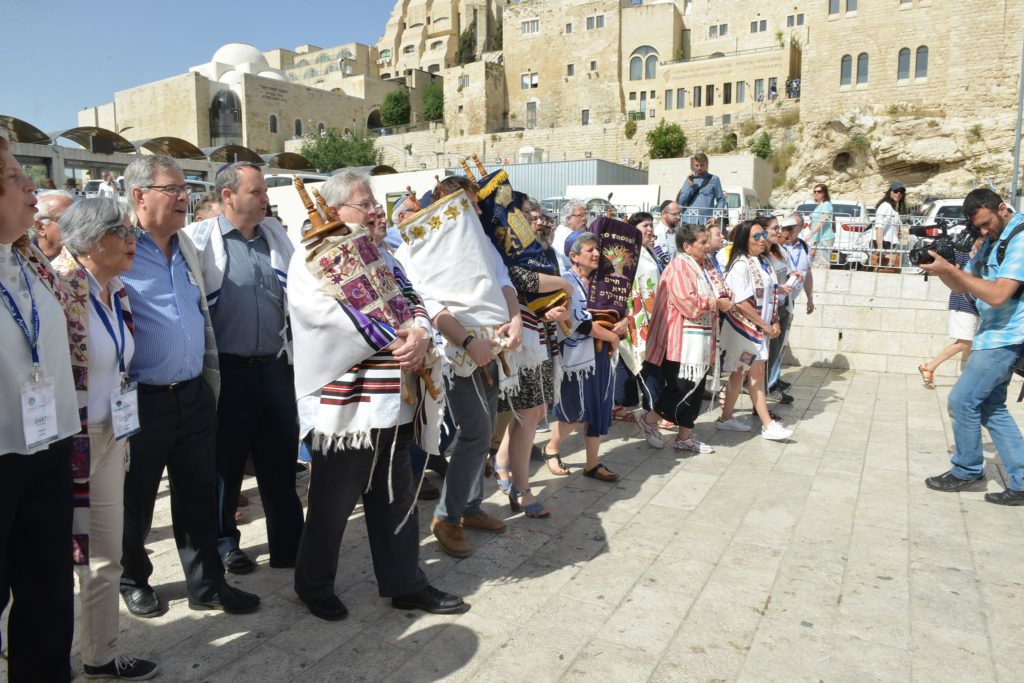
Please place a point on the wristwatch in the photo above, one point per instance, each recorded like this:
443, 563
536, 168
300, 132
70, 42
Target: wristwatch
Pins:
467, 340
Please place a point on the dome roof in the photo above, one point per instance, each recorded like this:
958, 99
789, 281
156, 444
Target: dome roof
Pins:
238, 54
276, 75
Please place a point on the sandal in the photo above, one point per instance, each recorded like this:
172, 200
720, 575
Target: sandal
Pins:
557, 457
601, 473
623, 414
536, 509
505, 485
927, 375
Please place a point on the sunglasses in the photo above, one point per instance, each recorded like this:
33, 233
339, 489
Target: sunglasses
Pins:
758, 236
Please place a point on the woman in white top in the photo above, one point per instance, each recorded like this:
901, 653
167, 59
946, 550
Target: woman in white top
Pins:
748, 327
99, 245
887, 225
36, 425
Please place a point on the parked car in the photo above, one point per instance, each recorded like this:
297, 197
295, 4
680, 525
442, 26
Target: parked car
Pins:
851, 224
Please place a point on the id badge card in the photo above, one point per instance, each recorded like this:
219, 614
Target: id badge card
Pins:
124, 411
39, 412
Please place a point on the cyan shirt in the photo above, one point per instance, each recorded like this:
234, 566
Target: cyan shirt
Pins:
1002, 325
169, 326
249, 314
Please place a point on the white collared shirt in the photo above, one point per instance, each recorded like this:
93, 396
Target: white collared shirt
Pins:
104, 372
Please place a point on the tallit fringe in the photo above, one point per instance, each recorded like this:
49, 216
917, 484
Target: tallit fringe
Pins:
353, 440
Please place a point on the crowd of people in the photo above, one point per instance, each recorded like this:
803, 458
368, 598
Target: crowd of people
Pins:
138, 344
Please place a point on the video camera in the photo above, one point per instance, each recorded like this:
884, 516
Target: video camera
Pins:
943, 245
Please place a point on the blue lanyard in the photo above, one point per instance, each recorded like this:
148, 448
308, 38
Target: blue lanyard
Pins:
31, 337
119, 345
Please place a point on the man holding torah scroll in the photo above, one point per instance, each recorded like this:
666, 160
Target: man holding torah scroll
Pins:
360, 405
467, 290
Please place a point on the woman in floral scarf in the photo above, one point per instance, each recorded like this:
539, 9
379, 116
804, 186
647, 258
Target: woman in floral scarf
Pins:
682, 340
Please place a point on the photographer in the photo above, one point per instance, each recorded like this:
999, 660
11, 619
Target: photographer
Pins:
994, 278
701, 193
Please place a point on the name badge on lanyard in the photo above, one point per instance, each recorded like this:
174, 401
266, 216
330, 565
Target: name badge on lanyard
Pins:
124, 400
38, 397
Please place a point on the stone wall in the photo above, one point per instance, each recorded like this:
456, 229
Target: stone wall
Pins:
880, 322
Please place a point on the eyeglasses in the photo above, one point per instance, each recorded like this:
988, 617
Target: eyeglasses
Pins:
121, 231
673, 213
366, 207
899, 191
819, 192
758, 236
169, 190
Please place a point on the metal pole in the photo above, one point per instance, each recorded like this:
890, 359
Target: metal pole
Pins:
1016, 139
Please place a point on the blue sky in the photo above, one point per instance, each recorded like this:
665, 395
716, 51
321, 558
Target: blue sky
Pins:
59, 56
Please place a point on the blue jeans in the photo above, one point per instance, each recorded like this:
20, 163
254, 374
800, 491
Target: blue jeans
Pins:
979, 399
776, 347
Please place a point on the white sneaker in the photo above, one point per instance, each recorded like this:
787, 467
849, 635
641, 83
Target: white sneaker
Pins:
651, 433
776, 432
693, 445
733, 424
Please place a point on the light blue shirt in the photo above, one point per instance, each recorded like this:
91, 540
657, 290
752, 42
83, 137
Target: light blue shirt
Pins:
826, 233
705, 200
1002, 325
169, 325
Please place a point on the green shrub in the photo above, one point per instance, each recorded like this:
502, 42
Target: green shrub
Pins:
667, 141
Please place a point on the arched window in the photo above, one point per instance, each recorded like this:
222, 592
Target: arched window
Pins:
292, 77
434, 68
323, 57
436, 45
845, 69
310, 73
636, 67
225, 119
862, 68
385, 54
408, 49
921, 67
903, 65
332, 67
298, 128
651, 66
273, 123
385, 76
302, 62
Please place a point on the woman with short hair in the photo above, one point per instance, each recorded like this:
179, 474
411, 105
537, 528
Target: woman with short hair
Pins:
99, 245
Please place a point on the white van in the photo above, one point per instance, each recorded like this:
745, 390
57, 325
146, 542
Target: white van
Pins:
741, 202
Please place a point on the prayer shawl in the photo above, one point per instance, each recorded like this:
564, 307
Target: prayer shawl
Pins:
452, 262
577, 349
741, 338
211, 364
633, 349
536, 347
346, 383
698, 338
75, 280
510, 231
213, 258
611, 282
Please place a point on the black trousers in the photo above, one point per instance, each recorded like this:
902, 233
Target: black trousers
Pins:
36, 503
337, 480
179, 431
673, 404
256, 415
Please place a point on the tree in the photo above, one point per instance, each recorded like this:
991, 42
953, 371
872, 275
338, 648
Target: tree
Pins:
465, 53
396, 110
667, 141
495, 42
332, 150
433, 101
762, 146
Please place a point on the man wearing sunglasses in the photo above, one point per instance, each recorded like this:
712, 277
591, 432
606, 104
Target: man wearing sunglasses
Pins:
175, 366
994, 277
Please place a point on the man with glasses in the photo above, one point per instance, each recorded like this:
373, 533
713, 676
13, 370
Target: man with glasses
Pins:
701, 195
665, 230
50, 206
244, 256
574, 220
175, 366
994, 277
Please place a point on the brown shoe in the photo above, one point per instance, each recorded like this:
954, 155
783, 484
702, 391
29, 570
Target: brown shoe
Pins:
450, 537
484, 522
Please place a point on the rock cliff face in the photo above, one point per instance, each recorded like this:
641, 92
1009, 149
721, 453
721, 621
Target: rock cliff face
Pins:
932, 152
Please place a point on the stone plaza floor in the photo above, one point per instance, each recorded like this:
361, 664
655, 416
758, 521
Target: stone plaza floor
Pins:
823, 558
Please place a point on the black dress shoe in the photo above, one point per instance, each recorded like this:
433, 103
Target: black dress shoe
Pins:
228, 599
430, 599
329, 609
438, 464
238, 562
1007, 497
142, 601
277, 563
950, 483
428, 491
780, 396
783, 384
